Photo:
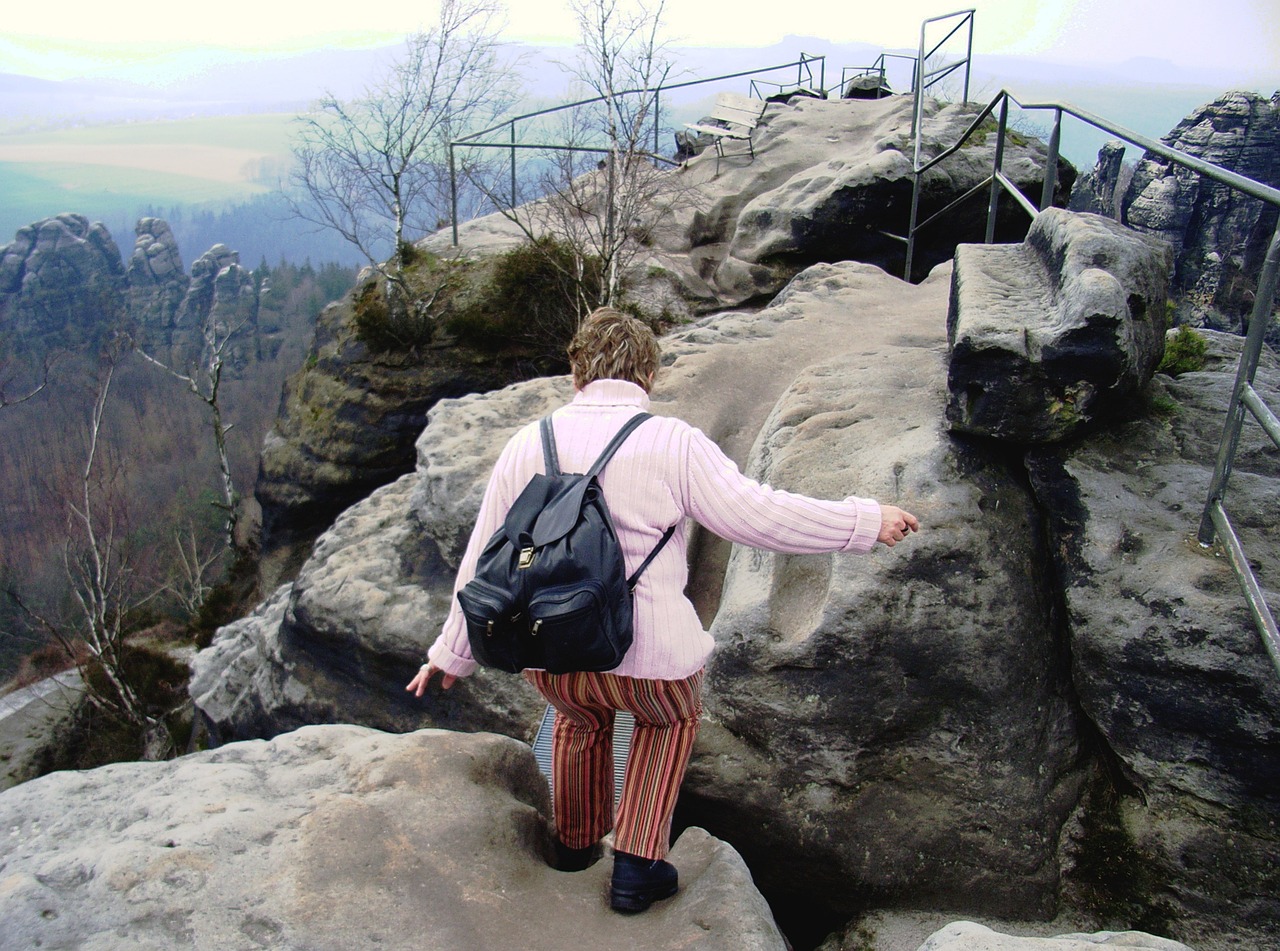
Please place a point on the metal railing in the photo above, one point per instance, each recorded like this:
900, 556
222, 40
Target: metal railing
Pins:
1215, 520
803, 66
926, 77
804, 71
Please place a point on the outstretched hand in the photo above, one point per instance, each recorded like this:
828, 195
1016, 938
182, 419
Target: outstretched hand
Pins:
418, 685
895, 525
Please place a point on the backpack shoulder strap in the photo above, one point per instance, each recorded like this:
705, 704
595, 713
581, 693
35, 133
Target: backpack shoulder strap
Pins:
549, 447
627, 429
635, 575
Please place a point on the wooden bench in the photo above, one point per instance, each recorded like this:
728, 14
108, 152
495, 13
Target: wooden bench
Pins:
740, 114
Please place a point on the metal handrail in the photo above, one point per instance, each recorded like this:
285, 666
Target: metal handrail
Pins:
1215, 520
918, 84
803, 68
802, 64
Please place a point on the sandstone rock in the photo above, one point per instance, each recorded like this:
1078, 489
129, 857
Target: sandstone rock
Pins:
335, 838
1095, 190
347, 424
1219, 236
968, 936
1168, 663
62, 281
823, 693
157, 282
1057, 334
827, 179
904, 728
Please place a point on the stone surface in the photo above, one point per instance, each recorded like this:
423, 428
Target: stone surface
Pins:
1055, 335
335, 838
1168, 664
968, 936
1219, 236
823, 693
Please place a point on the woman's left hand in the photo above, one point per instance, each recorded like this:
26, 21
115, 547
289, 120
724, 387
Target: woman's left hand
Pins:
418, 685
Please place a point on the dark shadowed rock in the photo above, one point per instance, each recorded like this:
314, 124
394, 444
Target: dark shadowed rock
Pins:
1168, 662
331, 839
1055, 335
1095, 190
1219, 236
347, 425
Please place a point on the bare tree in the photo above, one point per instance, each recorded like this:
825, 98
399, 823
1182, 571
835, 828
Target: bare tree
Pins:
376, 170
8, 374
603, 193
189, 581
104, 586
205, 381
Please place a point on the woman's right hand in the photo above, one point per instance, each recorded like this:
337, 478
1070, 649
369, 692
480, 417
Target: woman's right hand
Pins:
418, 685
895, 525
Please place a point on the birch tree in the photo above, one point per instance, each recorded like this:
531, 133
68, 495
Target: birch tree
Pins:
376, 169
204, 380
105, 589
607, 189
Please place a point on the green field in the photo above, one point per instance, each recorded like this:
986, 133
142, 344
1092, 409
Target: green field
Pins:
110, 172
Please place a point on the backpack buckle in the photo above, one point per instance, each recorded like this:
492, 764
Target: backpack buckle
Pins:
526, 557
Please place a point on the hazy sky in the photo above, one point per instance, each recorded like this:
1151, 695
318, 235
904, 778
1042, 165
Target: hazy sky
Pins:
86, 37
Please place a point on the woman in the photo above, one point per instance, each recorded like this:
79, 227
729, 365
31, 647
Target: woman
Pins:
665, 472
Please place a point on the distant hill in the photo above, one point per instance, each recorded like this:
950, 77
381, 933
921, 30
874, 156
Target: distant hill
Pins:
199, 95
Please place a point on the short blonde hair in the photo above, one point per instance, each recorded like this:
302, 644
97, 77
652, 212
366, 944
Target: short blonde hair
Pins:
612, 346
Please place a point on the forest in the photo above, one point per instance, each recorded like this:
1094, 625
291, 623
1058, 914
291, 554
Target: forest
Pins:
155, 478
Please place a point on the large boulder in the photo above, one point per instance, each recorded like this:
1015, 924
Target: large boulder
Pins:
347, 424
972, 721
336, 838
830, 180
1057, 334
1168, 664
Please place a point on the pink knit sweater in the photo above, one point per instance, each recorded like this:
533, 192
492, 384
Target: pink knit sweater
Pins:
666, 471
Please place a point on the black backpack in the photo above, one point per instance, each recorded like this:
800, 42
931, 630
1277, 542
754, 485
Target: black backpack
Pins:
550, 588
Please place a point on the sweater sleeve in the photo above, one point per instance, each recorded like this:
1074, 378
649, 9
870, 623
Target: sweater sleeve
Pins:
742, 510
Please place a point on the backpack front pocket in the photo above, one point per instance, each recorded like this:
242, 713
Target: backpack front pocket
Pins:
573, 628
493, 626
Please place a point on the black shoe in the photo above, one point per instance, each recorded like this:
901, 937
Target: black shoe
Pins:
575, 860
638, 882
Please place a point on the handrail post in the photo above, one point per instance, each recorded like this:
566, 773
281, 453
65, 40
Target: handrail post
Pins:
513, 163
453, 194
1244, 377
911, 225
997, 167
1051, 163
968, 56
657, 118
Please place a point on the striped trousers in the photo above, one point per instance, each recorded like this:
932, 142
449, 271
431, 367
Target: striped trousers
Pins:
666, 714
